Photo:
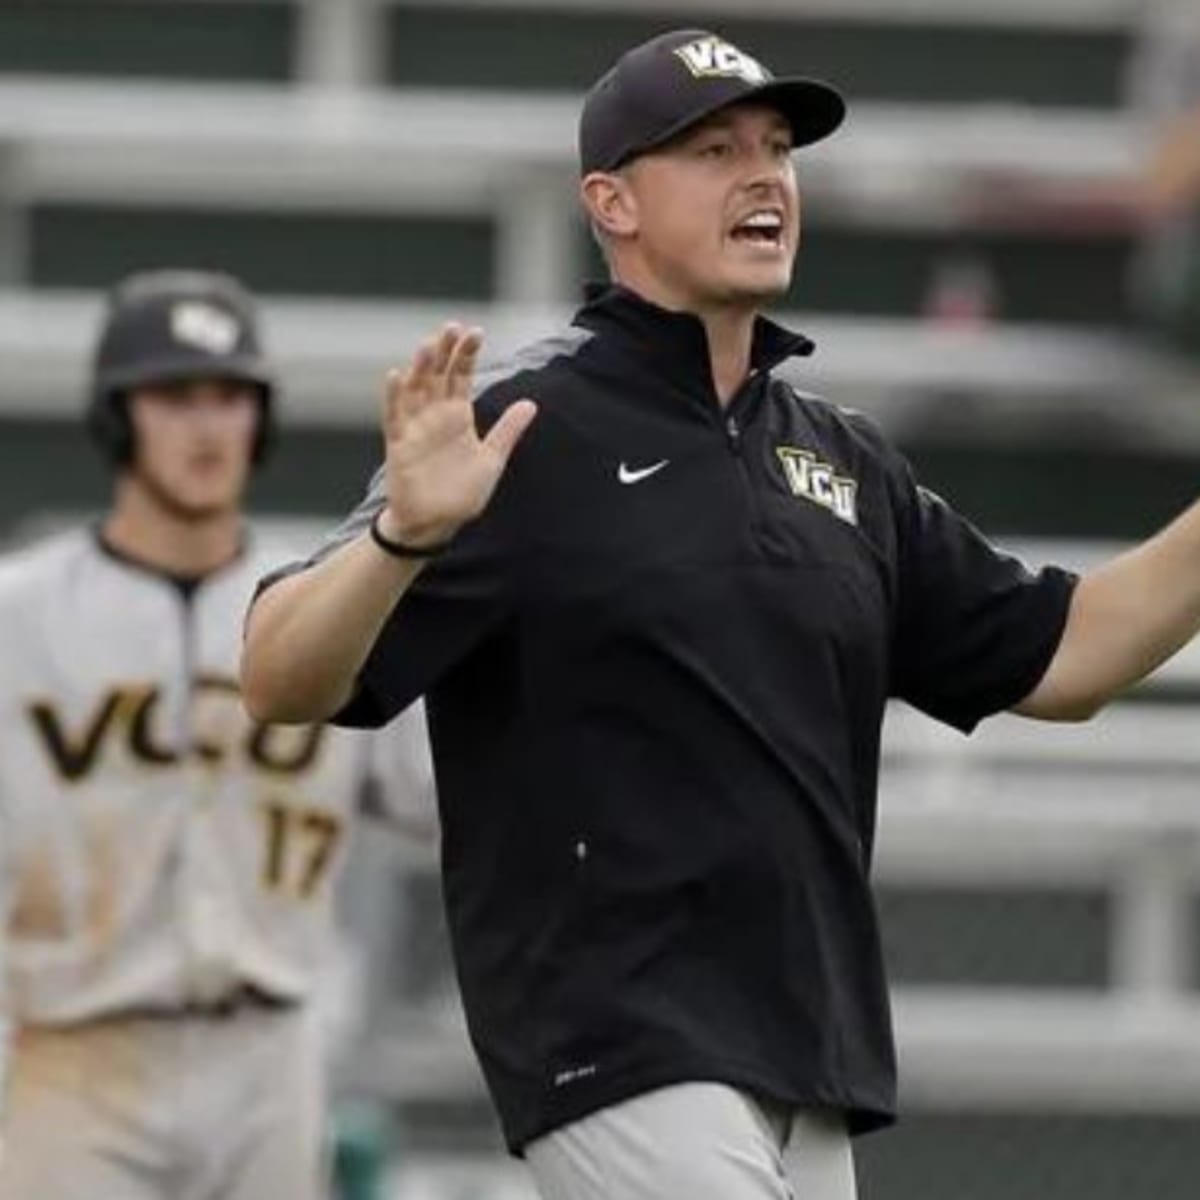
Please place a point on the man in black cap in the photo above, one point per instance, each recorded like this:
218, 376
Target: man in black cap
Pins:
658, 600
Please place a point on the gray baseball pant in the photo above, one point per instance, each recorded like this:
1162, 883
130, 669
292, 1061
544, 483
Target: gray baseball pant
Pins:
167, 1108
699, 1141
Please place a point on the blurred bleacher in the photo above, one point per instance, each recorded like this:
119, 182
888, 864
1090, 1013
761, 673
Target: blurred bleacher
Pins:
372, 166
416, 159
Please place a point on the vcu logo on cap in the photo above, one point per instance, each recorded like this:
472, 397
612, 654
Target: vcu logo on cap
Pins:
709, 57
204, 326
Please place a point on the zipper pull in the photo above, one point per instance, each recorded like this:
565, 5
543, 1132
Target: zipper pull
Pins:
734, 434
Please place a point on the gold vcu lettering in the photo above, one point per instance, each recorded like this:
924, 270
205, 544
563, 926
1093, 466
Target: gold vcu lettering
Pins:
814, 480
132, 715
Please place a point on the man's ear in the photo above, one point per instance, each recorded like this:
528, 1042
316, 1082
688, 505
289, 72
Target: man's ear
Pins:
610, 204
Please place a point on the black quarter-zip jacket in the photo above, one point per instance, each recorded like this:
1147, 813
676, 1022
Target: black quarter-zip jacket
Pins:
656, 670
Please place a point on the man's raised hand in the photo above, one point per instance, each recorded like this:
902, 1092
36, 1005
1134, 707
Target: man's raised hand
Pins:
440, 474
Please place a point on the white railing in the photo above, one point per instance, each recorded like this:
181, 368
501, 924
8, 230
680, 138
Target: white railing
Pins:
332, 356
1061, 14
1066, 14
505, 156
355, 148
1113, 804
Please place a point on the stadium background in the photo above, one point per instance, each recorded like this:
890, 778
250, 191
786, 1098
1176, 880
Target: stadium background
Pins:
975, 277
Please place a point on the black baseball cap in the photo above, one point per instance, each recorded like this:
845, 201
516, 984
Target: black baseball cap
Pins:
660, 88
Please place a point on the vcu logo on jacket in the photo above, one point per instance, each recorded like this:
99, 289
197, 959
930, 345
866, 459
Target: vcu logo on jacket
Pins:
814, 480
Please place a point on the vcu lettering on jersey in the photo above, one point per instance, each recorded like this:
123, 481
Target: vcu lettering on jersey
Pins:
129, 716
160, 847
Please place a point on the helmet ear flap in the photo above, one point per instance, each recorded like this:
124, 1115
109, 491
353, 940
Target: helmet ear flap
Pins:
107, 420
264, 435
109, 426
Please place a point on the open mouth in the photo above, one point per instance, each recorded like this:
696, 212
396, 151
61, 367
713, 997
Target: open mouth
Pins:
762, 227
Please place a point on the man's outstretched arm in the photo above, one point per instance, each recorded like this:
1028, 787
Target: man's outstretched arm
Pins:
308, 635
1126, 618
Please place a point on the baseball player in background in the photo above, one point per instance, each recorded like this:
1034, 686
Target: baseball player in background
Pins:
167, 863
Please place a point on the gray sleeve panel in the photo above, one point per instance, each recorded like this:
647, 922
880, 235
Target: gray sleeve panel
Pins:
356, 523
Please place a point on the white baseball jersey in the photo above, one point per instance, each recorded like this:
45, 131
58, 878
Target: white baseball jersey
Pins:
160, 849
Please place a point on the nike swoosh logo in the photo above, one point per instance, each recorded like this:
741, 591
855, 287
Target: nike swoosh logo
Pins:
631, 475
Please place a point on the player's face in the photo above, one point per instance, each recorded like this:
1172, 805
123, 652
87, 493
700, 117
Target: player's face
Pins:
718, 209
193, 443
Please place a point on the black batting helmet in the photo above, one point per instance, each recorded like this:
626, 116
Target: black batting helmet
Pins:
167, 326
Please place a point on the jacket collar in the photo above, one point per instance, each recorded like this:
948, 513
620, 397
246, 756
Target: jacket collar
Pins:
675, 343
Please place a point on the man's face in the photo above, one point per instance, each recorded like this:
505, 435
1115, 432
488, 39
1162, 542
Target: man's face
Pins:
718, 209
193, 443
